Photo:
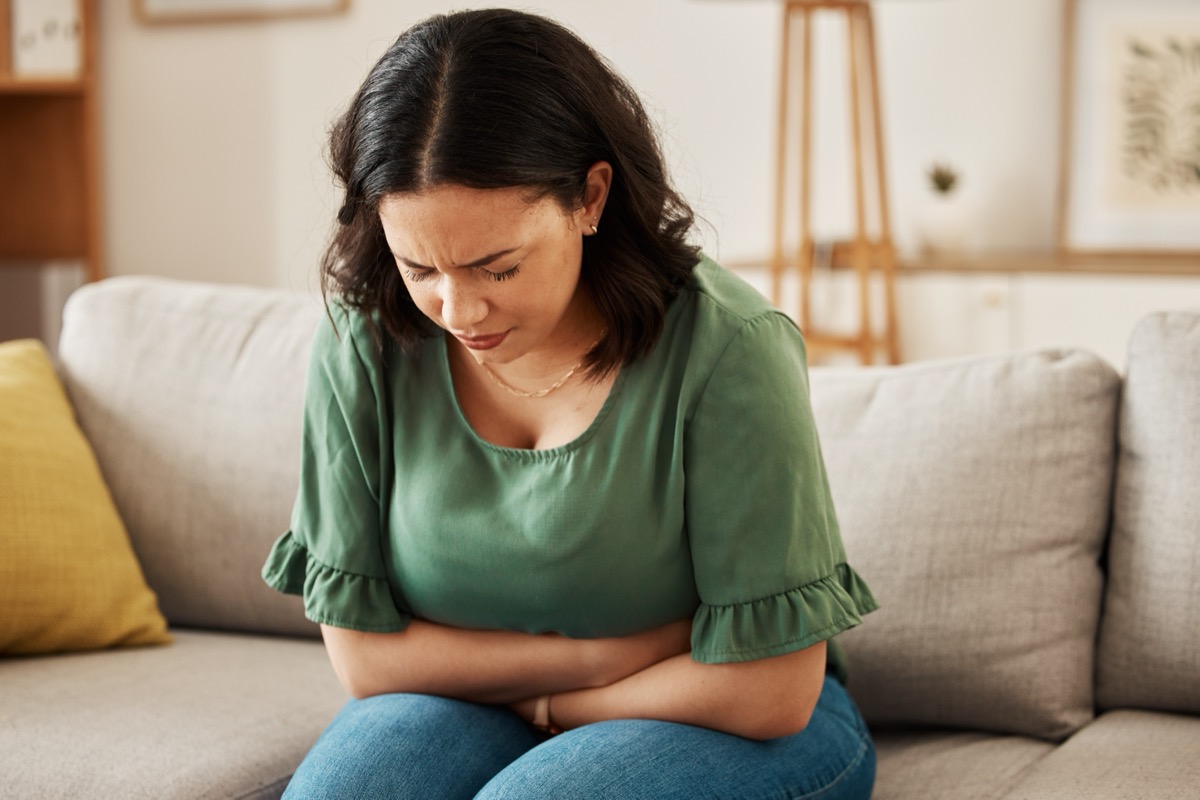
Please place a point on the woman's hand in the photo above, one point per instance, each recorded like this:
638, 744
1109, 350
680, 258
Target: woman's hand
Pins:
617, 658
525, 709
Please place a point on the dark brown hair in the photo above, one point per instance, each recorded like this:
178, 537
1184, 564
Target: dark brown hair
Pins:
499, 99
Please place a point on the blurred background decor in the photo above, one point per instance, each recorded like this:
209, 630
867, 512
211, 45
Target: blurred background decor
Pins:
1130, 152
51, 222
168, 11
211, 138
868, 249
944, 223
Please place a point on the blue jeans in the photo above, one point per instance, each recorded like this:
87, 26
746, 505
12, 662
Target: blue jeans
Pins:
427, 748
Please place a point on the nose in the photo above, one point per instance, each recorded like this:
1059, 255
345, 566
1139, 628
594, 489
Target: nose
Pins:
463, 305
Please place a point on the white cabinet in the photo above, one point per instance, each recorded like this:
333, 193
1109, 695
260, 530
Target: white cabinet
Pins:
943, 315
947, 314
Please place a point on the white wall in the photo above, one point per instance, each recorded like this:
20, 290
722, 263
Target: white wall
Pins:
214, 134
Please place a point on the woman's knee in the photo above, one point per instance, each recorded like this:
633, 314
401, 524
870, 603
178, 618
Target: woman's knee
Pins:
408, 745
615, 760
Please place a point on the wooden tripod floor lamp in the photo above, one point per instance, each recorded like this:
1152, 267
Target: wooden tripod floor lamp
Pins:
870, 251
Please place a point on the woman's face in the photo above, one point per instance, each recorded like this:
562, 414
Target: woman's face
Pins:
500, 274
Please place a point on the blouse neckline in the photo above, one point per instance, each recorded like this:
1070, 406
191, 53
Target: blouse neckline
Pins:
523, 453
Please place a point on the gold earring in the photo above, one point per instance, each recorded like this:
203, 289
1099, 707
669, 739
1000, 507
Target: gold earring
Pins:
595, 230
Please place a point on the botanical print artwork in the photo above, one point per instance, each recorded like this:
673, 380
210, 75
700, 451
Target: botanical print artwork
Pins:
1155, 136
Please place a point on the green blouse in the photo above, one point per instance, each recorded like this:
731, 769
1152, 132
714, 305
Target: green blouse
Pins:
698, 490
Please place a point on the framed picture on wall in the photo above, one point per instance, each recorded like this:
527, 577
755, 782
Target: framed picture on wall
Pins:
171, 11
1129, 181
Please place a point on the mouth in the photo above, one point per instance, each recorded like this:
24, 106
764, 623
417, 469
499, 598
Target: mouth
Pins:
482, 342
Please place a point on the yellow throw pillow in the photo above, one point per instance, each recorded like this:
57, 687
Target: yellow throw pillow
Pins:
69, 579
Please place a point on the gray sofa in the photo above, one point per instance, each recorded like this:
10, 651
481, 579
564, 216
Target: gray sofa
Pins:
1030, 523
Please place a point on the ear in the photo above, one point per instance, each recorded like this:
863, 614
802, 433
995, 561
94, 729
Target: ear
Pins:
598, 182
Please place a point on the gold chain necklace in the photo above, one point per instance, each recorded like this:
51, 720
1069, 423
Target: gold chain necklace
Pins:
515, 392
558, 384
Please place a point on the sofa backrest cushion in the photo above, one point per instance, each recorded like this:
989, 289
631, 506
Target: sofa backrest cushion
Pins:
191, 395
973, 497
1149, 653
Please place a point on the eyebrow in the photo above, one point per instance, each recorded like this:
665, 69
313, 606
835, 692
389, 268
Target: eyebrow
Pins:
479, 262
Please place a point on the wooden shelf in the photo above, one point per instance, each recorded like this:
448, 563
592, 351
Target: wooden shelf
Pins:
49, 158
1132, 264
1042, 262
26, 86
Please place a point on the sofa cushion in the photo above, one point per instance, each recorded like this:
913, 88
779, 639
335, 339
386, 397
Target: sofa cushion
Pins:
1149, 653
1123, 755
973, 496
68, 577
191, 395
951, 765
214, 715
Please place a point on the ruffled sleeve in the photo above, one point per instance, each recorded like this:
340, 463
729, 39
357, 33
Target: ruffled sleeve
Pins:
332, 596
333, 553
770, 567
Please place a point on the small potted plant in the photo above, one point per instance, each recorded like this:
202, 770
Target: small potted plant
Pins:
942, 230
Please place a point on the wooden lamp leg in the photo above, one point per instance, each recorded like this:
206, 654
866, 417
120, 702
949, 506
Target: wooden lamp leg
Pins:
807, 245
887, 250
777, 263
861, 245
870, 256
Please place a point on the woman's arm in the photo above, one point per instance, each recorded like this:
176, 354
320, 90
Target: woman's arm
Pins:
761, 699
491, 666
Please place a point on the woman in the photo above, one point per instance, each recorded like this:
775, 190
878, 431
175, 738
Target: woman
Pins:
562, 514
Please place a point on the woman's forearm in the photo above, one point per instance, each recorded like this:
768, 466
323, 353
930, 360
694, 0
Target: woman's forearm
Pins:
490, 666
760, 699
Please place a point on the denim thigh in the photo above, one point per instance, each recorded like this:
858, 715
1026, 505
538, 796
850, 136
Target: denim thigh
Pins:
832, 758
411, 746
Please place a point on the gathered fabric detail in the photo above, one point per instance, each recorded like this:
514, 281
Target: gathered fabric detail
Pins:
781, 623
332, 596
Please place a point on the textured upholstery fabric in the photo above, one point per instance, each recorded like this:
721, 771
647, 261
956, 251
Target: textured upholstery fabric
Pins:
211, 716
947, 765
68, 577
1123, 755
190, 395
1149, 654
973, 496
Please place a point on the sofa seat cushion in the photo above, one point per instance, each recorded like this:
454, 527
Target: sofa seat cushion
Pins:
1149, 654
204, 472
1122, 755
973, 497
213, 715
951, 765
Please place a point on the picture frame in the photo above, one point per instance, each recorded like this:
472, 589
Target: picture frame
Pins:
163, 12
1129, 151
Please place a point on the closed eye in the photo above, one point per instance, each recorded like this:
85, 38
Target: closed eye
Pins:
506, 274
418, 272
418, 275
